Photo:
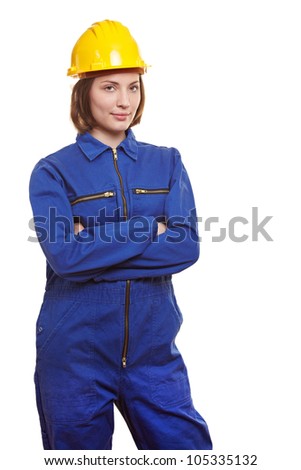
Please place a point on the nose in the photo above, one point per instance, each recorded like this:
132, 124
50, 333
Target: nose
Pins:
123, 100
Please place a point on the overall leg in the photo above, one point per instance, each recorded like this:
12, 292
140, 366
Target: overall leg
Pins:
156, 400
75, 394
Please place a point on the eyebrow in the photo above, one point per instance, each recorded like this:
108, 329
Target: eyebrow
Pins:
117, 83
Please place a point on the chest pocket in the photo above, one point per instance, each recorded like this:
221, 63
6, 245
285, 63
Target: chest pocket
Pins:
149, 201
95, 209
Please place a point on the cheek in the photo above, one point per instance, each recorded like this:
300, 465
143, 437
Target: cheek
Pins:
100, 102
100, 108
136, 101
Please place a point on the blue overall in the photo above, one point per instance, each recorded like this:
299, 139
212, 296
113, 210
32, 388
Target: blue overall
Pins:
107, 326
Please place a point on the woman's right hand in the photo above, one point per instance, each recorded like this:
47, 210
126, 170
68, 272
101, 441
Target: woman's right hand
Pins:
78, 227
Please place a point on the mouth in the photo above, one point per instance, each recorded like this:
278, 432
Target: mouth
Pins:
121, 115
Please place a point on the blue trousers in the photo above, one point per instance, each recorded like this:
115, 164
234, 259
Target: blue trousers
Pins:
100, 344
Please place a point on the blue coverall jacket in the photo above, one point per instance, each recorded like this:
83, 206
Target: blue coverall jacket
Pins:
115, 195
90, 329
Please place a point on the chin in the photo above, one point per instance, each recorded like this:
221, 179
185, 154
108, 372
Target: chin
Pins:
122, 128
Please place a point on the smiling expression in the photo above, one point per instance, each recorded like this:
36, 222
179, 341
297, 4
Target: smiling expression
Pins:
114, 100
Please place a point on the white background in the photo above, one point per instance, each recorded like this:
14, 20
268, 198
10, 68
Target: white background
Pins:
224, 87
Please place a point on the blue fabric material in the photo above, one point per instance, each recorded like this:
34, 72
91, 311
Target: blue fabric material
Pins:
110, 247
109, 294
79, 373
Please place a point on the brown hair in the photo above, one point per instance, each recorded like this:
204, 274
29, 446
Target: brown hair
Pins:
81, 115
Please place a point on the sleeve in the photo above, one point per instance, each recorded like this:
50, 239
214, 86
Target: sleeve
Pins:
178, 247
83, 256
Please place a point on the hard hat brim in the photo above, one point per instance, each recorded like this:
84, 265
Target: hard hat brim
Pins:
139, 70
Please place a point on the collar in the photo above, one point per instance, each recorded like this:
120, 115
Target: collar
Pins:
93, 148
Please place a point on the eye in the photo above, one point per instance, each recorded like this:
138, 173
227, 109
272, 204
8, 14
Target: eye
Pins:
109, 88
134, 88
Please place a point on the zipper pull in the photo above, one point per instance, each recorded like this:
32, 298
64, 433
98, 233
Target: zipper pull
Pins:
108, 194
115, 154
140, 191
123, 362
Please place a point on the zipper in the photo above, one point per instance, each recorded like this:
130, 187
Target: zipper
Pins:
128, 282
150, 191
91, 197
126, 324
115, 158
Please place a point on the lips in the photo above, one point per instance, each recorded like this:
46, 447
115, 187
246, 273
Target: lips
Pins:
120, 116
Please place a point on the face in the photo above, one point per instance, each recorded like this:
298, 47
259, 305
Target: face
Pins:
114, 99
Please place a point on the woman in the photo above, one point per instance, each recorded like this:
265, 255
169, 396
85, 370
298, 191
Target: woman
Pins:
115, 219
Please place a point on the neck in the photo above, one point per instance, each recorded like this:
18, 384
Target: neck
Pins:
112, 140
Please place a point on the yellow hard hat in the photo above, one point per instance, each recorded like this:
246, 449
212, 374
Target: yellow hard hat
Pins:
106, 45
